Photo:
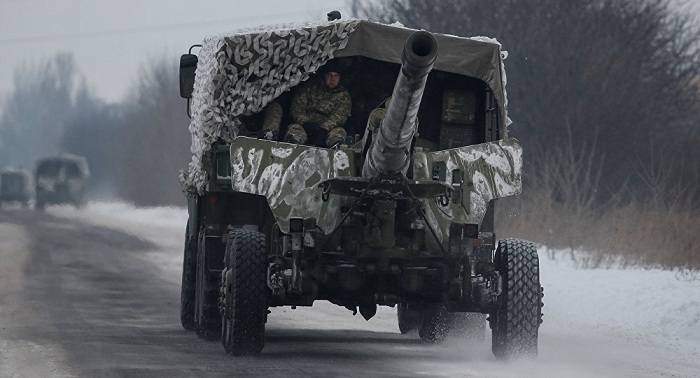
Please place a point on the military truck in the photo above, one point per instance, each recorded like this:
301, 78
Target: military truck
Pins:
60, 179
15, 186
402, 215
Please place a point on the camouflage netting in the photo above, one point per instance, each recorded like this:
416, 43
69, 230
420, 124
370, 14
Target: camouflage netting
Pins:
239, 73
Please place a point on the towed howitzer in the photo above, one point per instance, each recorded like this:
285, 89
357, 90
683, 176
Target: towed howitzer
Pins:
392, 131
390, 150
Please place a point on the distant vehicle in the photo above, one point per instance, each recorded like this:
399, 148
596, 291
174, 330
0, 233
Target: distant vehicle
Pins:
60, 180
15, 186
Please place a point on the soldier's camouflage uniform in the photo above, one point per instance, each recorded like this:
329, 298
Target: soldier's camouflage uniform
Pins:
271, 120
329, 109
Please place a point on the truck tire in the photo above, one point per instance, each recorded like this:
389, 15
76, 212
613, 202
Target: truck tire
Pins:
207, 316
189, 273
409, 320
434, 327
244, 293
516, 318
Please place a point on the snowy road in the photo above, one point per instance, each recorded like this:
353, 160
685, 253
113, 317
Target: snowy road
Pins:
95, 292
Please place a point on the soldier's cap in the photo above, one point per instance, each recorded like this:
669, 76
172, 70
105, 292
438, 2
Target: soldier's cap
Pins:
333, 15
331, 66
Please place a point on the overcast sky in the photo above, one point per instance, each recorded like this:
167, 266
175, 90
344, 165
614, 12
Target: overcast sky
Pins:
110, 40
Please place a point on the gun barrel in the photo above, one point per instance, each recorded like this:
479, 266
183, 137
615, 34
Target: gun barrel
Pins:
390, 150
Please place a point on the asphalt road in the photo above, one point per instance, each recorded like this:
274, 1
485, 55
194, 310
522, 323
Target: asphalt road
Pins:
95, 293
87, 301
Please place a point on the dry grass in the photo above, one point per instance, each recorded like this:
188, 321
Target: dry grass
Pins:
635, 234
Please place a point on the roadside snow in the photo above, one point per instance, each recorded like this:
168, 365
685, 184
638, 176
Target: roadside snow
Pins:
643, 304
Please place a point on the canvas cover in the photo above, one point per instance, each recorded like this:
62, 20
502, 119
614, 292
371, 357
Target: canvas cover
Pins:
61, 160
240, 72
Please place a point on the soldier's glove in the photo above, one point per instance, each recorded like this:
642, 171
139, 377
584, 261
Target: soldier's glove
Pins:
311, 127
316, 134
336, 143
269, 135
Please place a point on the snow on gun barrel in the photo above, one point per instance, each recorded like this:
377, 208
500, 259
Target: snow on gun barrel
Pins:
403, 217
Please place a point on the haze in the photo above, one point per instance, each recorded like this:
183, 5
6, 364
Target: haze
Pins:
111, 40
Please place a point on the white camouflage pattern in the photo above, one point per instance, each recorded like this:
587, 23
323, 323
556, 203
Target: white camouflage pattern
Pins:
239, 73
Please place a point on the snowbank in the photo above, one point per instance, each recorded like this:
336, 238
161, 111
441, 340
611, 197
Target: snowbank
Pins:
640, 303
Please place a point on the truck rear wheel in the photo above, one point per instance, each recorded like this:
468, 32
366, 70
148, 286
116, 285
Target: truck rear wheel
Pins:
244, 293
516, 319
434, 326
189, 272
207, 317
409, 319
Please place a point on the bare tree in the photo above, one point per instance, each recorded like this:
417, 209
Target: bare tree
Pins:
592, 85
620, 71
671, 180
154, 136
93, 132
35, 114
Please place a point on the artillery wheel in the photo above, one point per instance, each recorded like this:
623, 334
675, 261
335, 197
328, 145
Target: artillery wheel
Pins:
244, 293
516, 319
434, 326
207, 318
189, 273
408, 319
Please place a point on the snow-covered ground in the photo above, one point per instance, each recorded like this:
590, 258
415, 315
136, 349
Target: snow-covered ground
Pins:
652, 304
602, 322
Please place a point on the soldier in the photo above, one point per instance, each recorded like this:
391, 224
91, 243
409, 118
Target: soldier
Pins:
271, 120
319, 110
264, 124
